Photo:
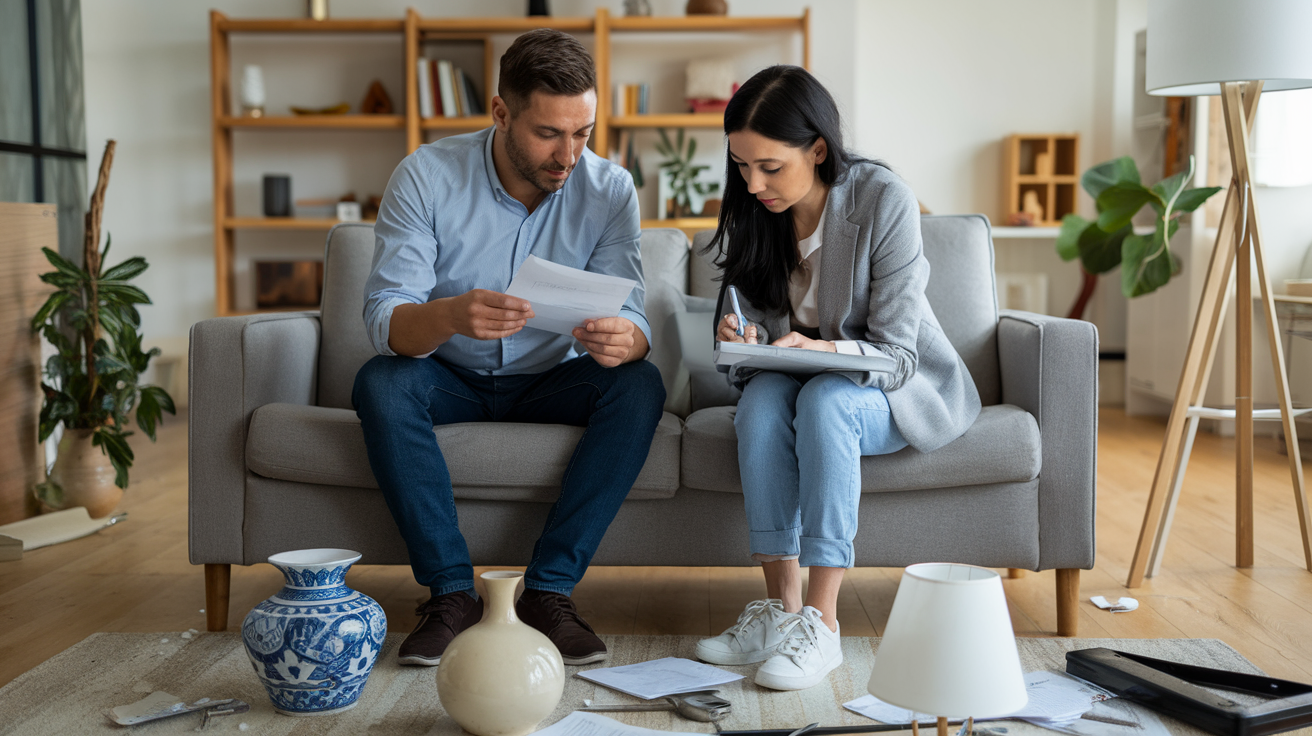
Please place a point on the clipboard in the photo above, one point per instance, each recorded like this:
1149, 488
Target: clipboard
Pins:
796, 360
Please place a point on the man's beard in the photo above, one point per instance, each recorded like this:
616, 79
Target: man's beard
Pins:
532, 172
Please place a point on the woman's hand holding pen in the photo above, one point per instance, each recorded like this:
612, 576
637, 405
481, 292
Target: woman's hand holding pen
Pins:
728, 331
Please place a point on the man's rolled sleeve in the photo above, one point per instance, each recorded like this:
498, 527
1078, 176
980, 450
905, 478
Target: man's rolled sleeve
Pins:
404, 253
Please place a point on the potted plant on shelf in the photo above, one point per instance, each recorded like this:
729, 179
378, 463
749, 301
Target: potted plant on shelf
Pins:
1146, 261
680, 174
91, 382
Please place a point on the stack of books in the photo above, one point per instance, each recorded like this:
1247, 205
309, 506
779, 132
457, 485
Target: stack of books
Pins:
446, 91
630, 99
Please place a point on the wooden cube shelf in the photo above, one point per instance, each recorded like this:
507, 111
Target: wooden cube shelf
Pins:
1048, 165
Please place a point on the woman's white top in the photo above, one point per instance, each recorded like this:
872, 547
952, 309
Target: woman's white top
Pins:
805, 280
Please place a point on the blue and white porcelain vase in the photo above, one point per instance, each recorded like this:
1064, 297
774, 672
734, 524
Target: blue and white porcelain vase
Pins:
314, 643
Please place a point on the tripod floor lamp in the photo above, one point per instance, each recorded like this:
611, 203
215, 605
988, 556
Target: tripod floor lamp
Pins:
1236, 50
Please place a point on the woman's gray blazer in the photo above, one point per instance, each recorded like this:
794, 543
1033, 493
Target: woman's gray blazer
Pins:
872, 289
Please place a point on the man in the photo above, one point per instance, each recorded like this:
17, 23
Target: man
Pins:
458, 219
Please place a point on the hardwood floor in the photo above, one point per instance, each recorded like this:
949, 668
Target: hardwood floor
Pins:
135, 576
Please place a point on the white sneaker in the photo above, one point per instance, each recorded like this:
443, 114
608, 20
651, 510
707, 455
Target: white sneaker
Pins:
810, 652
761, 628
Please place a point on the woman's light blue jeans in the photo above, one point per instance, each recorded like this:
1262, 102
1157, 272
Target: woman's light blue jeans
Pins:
800, 442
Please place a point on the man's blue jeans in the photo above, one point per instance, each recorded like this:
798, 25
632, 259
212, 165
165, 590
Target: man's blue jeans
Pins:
800, 442
400, 399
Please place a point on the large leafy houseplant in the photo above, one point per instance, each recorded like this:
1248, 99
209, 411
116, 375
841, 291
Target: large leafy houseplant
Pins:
1146, 261
678, 166
92, 381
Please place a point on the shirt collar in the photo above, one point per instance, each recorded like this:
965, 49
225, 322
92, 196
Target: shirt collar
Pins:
813, 243
494, 180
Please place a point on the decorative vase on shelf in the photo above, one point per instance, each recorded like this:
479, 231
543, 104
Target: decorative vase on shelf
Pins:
706, 7
81, 476
314, 643
252, 91
500, 677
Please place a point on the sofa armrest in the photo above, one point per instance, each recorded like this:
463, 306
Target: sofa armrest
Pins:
237, 364
1049, 367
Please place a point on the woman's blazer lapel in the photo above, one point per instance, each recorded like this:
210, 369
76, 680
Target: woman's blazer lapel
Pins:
837, 263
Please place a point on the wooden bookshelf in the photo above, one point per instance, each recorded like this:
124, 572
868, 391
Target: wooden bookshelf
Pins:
413, 32
1046, 164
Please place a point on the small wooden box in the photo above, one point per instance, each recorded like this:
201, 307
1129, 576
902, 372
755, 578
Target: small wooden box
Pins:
288, 283
1047, 164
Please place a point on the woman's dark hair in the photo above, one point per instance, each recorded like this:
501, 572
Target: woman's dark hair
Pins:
758, 248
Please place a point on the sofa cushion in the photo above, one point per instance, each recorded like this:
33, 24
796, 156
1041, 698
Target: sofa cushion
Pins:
494, 461
1002, 446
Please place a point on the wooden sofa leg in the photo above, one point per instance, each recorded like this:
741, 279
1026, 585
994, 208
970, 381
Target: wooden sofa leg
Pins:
1015, 573
1068, 602
217, 578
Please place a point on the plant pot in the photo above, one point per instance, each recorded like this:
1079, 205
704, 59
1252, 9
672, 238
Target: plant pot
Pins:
500, 677
82, 476
314, 643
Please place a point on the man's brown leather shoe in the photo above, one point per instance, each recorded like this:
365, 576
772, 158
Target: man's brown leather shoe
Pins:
554, 615
440, 619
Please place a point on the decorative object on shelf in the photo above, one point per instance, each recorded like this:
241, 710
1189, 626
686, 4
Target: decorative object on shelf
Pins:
91, 383
277, 195
637, 8
500, 677
1020, 219
314, 643
708, 85
1146, 261
948, 648
1030, 206
1043, 163
348, 211
1209, 47
538, 7
288, 284
1040, 168
340, 108
317, 9
376, 100
681, 175
706, 7
252, 91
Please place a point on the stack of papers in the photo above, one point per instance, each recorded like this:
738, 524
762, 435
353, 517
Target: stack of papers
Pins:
660, 677
579, 723
1053, 699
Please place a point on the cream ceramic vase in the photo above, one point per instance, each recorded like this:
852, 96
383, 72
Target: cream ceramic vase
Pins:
500, 677
85, 474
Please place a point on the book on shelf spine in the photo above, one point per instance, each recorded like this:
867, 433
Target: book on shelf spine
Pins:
425, 90
434, 84
471, 94
643, 91
444, 84
461, 94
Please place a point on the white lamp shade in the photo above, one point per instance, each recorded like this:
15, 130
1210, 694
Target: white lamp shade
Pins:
948, 649
1195, 45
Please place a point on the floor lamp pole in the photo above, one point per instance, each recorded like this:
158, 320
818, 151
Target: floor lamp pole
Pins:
1238, 242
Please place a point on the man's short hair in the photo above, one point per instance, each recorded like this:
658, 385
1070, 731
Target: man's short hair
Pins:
544, 60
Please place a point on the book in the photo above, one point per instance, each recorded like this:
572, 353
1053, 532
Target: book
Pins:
448, 91
475, 100
462, 94
425, 90
436, 88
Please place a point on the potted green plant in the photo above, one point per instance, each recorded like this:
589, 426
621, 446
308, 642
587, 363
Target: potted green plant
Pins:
91, 383
682, 174
1146, 261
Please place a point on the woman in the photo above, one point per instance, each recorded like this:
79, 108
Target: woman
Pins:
824, 250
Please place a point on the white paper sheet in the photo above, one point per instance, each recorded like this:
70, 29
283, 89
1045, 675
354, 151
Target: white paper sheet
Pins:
1124, 604
563, 297
1052, 697
660, 677
580, 723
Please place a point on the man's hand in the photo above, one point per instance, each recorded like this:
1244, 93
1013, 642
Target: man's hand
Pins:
486, 315
798, 340
728, 331
612, 340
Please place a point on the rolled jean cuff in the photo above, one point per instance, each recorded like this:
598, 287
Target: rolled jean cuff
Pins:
820, 552
547, 588
758, 557
455, 587
781, 543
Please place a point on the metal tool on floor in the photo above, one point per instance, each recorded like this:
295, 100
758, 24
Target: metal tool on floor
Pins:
704, 706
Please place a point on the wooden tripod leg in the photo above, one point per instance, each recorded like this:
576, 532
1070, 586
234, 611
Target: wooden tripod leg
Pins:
1164, 529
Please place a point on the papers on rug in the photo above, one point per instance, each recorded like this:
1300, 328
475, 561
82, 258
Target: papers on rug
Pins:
1124, 604
1053, 698
797, 360
59, 526
591, 724
660, 677
564, 298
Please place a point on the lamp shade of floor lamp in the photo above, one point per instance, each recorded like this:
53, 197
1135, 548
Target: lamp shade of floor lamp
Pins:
1196, 45
949, 649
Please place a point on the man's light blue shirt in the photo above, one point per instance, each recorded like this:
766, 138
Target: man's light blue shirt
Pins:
447, 225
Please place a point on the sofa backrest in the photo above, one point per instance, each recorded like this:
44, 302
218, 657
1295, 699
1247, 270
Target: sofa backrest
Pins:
345, 346
961, 289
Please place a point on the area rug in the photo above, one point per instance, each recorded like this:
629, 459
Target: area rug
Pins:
70, 693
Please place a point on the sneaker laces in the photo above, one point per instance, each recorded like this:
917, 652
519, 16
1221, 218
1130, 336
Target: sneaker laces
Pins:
755, 611
561, 609
449, 609
803, 636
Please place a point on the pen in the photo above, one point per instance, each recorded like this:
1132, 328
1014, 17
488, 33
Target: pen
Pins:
737, 311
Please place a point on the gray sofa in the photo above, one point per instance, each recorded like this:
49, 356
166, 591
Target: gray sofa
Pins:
277, 459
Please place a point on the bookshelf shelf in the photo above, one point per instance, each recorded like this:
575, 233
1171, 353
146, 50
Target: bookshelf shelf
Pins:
370, 122
1044, 167
416, 32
